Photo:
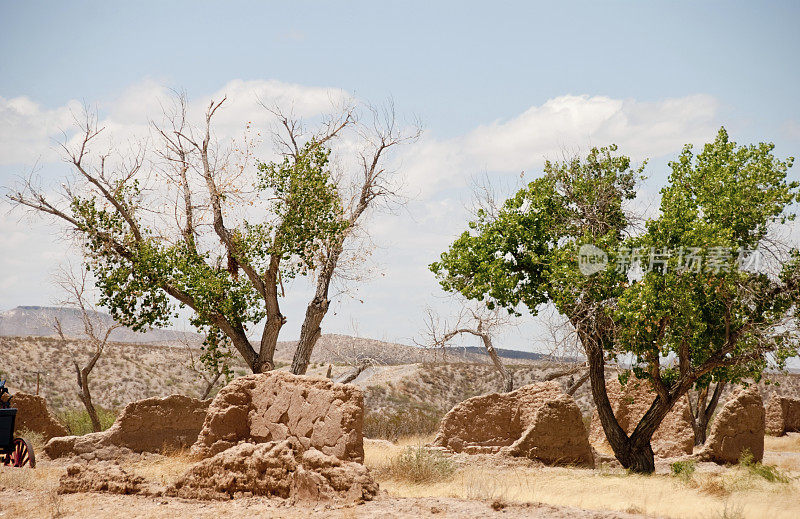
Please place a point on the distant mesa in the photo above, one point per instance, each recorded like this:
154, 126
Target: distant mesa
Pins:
38, 321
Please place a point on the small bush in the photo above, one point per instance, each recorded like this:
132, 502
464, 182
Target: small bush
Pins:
730, 512
420, 465
78, 423
683, 469
769, 472
714, 486
408, 421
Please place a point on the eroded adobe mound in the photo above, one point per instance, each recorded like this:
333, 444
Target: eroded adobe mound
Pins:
782, 415
33, 415
674, 437
278, 469
537, 421
274, 469
104, 476
151, 425
556, 436
738, 427
276, 406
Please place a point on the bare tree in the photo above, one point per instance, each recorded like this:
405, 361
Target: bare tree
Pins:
211, 365
96, 332
475, 320
563, 344
175, 222
373, 184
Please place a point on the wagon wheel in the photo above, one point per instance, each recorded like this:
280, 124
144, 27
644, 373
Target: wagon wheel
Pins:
22, 454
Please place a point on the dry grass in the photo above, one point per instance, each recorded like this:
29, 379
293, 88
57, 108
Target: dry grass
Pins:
723, 493
734, 492
42, 478
39, 485
421, 465
790, 442
783, 452
164, 470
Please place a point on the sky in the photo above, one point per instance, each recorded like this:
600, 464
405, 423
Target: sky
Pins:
498, 88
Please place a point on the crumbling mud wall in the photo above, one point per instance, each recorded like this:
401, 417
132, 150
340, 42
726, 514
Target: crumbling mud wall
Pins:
33, 415
276, 406
739, 426
537, 421
782, 415
150, 425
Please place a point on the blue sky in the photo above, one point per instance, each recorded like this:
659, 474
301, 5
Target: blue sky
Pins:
483, 78
455, 63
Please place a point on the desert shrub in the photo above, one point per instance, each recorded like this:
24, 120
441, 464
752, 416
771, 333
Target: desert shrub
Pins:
397, 423
683, 469
714, 486
78, 423
420, 465
730, 511
769, 472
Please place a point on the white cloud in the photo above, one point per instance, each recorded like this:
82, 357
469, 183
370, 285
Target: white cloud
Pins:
28, 130
563, 124
440, 168
30, 133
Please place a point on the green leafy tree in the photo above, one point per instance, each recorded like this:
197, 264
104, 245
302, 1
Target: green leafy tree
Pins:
679, 326
224, 248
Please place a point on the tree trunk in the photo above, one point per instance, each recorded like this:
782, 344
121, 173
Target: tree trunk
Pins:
635, 452
315, 313
615, 435
508, 381
210, 385
701, 431
86, 398
702, 412
265, 361
309, 334
639, 458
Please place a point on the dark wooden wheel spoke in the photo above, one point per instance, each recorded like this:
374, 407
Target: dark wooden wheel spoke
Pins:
22, 454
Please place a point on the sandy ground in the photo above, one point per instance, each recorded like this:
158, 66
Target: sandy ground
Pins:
482, 486
15, 503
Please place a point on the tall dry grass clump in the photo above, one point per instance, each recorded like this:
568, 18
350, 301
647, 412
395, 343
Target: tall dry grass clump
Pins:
420, 465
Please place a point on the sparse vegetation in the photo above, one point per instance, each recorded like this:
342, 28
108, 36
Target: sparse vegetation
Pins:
420, 465
393, 424
730, 511
770, 473
78, 422
683, 469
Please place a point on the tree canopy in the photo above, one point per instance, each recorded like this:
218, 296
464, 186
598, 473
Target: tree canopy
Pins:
187, 224
674, 297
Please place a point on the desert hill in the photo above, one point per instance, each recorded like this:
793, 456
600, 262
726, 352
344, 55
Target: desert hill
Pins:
38, 321
397, 375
